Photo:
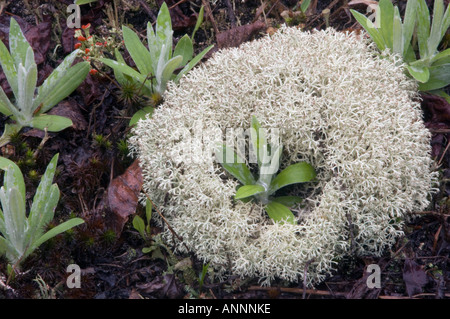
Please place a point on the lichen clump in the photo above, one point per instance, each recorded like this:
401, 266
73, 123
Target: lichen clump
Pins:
338, 105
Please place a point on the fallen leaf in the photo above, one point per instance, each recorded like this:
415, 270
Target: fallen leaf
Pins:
414, 276
238, 35
123, 195
71, 110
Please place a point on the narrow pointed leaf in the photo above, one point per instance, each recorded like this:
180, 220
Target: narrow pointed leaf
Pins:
439, 78
259, 141
55, 231
52, 81
167, 73
192, 63
397, 33
8, 67
138, 51
386, 24
234, 164
139, 225
409, 23
423, 27
6, 107
280, 213
53, 123
296, 173
141, 114
65, 86
18, 44
370, 29
16, 173
184, 48
248, 190
199, 22
436, 27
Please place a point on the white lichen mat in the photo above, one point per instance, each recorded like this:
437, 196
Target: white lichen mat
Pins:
340, 106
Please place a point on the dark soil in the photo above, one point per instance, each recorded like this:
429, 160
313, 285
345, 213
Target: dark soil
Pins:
93, 154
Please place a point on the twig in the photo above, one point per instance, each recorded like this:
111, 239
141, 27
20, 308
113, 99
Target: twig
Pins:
147, 9
167, 223
210, 16
231, 13
442, 156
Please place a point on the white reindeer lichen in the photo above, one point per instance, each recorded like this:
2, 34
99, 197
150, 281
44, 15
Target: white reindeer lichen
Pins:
339, 106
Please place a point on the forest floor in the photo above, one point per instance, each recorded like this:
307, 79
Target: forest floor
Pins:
100, 183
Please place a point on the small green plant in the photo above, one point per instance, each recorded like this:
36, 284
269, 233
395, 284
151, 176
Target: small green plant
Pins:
20, 69
298, 14
158, 64
22, 235
268, 182
432, 68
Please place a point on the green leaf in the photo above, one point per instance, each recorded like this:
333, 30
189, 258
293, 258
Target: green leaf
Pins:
192, 63
119, 76
280, 213
184, 48
141, 114
65, 85
125, 69
370, 29
53, 123
234, 164
442, 57
249, 190
409, 23
386, 24
166, 74
54, 232
6, 107
420, 73
423, 27
288, 201
26, 85
305, 5
139, 225
259, 141
15, 219
296, 173
439, 78
436, 27
268, 170
18, 44
148, 211
81, 2
139, 53
8, 67
199, 22
16, 173
397, 33
39, 215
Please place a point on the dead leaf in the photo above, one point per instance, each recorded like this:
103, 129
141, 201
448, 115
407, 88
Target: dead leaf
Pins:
238, 35
71, 110
414, 276
123, 195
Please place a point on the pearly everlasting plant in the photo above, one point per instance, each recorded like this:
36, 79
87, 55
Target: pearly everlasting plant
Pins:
21, 235
350, 113
30, 103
